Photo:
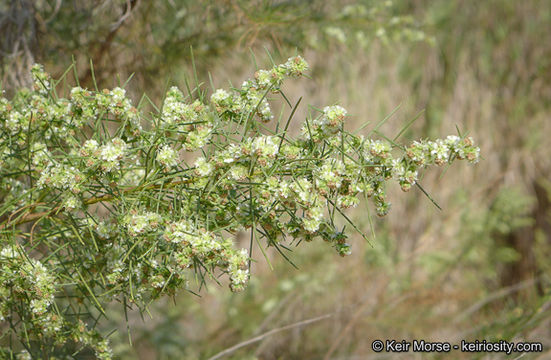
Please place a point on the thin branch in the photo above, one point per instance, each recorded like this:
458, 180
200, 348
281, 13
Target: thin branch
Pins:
492, 297
29, 217
269, 333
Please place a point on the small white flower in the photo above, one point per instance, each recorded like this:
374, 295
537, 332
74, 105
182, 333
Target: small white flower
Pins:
311, 225
265, 146
71, 202
167, 156
112, 152
202, 167
90, 145
221, 97
239, 172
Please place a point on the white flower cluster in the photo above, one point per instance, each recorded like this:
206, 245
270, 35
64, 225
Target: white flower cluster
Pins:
237, 268
71, 201
326, 125
204, 247
202, 167
311, 201
265, 146
175, 110
239, 172
167, 156
103, 229
198, 137
441, 151
221, 98
294, 66
139, 223
107, 156
41, 79
115, 267
189, 120
26, 282
40, 154
404, 173
62, 177
85, 107
16, 121
111, 154
230, 155
377, 150
82, 106
330, 174
251, 98
100, 345
54, 117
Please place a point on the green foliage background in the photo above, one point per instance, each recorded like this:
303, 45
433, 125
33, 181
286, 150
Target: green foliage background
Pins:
479, 269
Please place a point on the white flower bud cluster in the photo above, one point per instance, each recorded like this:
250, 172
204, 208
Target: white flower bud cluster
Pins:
40, 154
328, 124
175, 110
62, 177
265, 146
251, 98
103, 229
329, 174
440, 151
202, 167
193, 245
107, 157
41, 79
111, 154
70, 201
82, 105
85, 106
139, 223
189, 121
26, 282
167, 156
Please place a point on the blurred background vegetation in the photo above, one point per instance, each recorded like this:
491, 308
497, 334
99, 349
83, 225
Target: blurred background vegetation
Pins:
478, 269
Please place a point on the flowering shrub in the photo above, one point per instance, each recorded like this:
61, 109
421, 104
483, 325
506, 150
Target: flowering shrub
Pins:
100, 204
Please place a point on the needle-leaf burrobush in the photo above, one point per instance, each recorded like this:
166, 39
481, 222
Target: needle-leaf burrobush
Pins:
102, 201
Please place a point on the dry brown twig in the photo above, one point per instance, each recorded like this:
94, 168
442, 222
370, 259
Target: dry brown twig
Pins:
268, 333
